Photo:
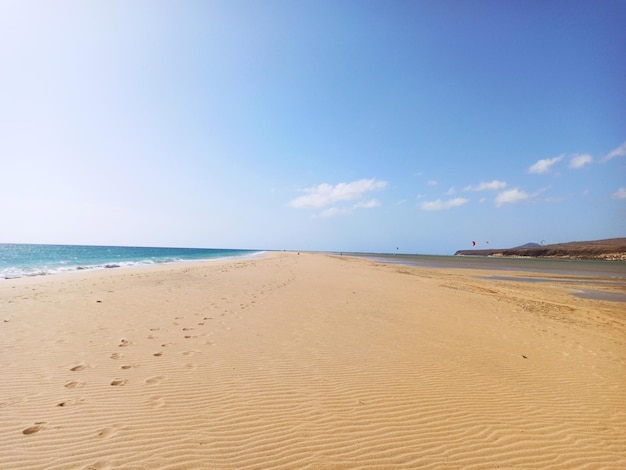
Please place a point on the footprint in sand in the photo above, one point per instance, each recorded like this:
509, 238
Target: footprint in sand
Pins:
116, 356
74, 384
70, 402
156, 402
119, 382
99, 465
108, 432
105, 432
79, 367
124, 343
158, 354
127, 366
154, 380
38, 426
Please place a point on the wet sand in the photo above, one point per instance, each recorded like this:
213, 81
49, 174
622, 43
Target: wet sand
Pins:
308, 361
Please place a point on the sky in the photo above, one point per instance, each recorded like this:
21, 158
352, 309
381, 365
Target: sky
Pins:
364, 126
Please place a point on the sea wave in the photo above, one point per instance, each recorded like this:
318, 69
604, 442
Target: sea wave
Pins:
14, 272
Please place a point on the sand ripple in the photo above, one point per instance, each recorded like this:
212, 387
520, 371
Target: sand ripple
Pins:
308, 361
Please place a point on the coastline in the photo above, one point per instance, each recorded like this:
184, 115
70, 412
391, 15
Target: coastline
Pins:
292, 360
543, 266
32, 260
610, 249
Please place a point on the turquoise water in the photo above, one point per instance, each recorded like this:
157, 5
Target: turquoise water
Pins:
17, 260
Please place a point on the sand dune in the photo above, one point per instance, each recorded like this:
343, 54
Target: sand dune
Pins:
307, 361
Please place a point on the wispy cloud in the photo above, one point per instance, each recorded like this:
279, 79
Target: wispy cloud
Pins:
543, 166
431, 183
617, 152
333, 199
620, 194
491, 185
511, 196
367, 204
439, 205
325, 194
335, 211
332, 212
579, 161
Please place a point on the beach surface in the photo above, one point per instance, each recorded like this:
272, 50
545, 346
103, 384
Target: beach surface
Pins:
308, 360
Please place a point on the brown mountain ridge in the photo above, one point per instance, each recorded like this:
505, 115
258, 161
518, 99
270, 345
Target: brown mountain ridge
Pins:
611, 249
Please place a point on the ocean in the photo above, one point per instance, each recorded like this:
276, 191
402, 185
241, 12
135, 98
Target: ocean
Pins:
21, 260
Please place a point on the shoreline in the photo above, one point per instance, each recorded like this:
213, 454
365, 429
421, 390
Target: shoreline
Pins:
535, 266
125, 264
310, 360
609, 257
610, 249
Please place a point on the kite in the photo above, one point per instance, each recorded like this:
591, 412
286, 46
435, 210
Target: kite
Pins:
473, 243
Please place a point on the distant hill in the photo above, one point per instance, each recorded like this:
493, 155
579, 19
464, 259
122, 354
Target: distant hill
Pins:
613, 249
527, 245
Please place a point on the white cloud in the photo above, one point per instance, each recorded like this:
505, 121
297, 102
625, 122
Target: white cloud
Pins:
438, 204
578, 161
493, 185
620, 194
334, 211
325, 194
431, 183
450, 191
367, 204
617, 152
511, 196
543, 166
331, 212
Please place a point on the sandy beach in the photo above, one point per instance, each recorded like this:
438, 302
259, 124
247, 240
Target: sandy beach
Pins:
308, 361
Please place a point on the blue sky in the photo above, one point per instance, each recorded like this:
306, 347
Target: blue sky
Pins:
312, 125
